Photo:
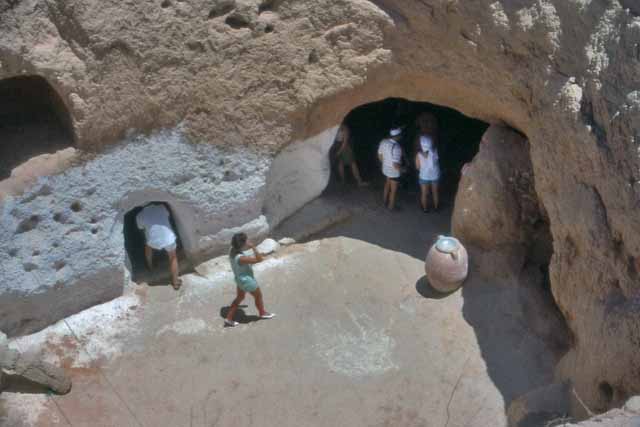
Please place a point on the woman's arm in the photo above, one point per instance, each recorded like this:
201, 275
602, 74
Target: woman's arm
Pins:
418, 161
256, 258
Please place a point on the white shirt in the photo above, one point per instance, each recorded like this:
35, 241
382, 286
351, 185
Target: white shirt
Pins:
429, 163
391, 153
154, 220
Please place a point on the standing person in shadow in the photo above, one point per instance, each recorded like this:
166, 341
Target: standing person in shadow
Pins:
345, 156
390, 155
428, 163
243, 273
154, 220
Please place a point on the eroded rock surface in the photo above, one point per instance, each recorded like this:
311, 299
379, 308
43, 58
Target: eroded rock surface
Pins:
265, 74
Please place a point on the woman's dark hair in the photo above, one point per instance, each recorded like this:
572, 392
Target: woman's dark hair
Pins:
237, 243
428, 126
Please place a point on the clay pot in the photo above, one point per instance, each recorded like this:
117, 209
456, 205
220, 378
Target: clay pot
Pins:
447, 264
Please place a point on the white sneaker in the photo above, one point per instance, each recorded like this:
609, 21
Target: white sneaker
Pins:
268, 316
230, 323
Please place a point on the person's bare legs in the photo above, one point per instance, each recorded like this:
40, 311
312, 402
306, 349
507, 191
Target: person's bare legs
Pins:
392, 193
423, 196
173, 267
240, 294
385, 193
341, 171
257, 295
436, 195
356, 174
148, 256
427, 192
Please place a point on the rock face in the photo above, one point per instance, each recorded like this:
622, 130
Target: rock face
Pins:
253, 76
497, 210
31, 368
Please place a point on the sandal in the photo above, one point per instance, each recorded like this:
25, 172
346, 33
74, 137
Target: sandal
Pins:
268, 316
230, 323
177, 285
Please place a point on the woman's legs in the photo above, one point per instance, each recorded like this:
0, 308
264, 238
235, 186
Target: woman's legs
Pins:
240, 294
356, 174
257, 295
392, 193
385, 194
436, 195
427, 190
423, 196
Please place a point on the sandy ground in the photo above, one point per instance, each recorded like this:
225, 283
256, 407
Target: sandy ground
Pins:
360, 339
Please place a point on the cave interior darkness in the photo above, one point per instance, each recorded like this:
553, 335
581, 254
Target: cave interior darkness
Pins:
33, 121
458, 135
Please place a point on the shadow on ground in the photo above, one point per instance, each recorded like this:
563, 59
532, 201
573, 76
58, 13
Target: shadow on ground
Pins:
424, 288
408, 230
18, 384
517, 359
240, 316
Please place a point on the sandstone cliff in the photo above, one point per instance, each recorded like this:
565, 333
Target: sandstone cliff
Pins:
242, 79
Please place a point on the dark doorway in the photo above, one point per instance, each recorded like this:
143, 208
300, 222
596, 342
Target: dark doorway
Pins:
33, 121
459, 138
134, 241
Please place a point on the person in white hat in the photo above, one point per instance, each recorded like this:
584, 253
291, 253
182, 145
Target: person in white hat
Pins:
390, 155
428, 163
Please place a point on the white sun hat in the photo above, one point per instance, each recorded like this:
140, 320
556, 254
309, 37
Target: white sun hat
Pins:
395, 132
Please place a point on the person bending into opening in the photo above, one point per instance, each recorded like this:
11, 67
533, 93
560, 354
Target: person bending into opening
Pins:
153, 219
243, 272
345, 156
390, 155
428, 165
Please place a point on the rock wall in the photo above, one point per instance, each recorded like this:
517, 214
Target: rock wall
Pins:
64, 242
497, 212
249, 73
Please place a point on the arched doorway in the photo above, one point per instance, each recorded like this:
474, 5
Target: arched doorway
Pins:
33, 121
181, 219
458, 135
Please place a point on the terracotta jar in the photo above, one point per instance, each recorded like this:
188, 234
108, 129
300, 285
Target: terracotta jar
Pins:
447, 264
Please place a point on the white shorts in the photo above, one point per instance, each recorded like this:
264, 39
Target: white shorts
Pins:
171, 247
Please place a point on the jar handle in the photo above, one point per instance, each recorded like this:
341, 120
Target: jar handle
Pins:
454, 255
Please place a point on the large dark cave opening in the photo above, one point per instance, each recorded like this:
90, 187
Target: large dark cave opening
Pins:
458, 138
33, 121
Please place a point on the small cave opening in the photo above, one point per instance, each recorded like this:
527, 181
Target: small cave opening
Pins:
33, 121
134, 242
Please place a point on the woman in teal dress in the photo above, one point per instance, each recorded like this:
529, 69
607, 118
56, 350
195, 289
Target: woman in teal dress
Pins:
245, 281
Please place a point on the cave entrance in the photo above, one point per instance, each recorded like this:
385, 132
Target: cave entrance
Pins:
458, 140
134, 242
351, 211
33, 121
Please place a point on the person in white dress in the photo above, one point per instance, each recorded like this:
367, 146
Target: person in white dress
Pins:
154, 220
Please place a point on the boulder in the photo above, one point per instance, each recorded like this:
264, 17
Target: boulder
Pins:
268, 246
